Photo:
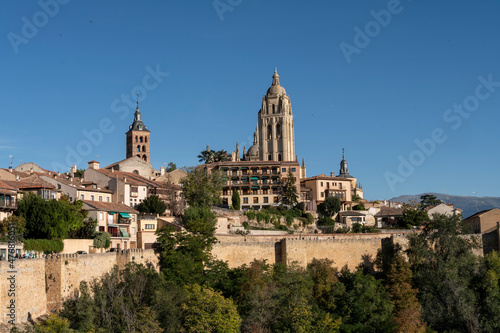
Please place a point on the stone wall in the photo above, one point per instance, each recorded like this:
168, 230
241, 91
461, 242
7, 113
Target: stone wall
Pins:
43, 284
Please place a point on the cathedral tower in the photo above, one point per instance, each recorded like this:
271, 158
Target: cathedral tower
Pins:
138, 143
275, 133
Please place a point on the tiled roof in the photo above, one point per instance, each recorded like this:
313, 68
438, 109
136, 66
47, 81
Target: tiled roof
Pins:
131, 178
80, 186
389, 211
110, 206
29, 184
480, 213
21, 174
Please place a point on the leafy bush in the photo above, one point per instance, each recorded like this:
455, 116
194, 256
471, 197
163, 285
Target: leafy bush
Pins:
245, 225
323, 220
102, 240
43, 245
250, 214
289, 220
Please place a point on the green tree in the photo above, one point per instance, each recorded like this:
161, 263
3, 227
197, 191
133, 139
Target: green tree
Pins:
330, 207
19, 224
79, 173
444, 267
102, 240
364, 304
326, 286
488, 291
407, 309
235, 200
52, 219
152, 205
86, 231
201, 187
206, 310
288, 191
120, 301
212, 156
183, 255
171, 167
428, 200
413, 215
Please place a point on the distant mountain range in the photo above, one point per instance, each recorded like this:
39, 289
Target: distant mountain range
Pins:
470, 205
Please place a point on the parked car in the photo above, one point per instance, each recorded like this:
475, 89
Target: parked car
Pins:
81, 252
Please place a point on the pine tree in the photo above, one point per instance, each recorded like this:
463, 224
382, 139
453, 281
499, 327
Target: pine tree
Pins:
235, 200
288, 194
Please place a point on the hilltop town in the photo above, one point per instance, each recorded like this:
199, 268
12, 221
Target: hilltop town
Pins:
266, 208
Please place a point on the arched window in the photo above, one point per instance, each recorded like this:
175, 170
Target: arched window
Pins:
136, 172
143, 148
269, 131
140, 139
136, 138
278, 131
138, 148
274, 108
270, 158
279, 157
139, 156
145, 158
145, 139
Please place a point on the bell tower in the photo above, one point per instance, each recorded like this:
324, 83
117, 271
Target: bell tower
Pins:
138, 143
276, 137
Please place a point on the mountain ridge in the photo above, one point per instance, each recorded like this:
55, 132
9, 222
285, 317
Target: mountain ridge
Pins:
469, 204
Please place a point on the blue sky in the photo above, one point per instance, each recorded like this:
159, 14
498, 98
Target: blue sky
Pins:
373, 93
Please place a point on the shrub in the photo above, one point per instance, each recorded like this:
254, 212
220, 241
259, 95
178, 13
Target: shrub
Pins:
43, 245
250, 214
102, 240
245, 225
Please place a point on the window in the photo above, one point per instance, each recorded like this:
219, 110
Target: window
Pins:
138, 148
269, 132
245, 200
82, 197
270, 158
321, 184
101, 216
100, 198
58, 186
266, 200
293, 169
107, 199
255, 200
279, 157
322, 194
283, 170
149, 226
92, 197
94, 185
140, 139
275, 199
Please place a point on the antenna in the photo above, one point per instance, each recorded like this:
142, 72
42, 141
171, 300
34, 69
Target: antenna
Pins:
11, 160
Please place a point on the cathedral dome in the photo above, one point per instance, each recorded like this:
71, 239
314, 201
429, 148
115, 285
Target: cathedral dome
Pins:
253, 151
276, 88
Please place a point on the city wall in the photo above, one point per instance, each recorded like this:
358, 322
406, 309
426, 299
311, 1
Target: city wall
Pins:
41, 285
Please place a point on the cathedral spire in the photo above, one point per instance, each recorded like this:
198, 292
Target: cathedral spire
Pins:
344, 170
276, 77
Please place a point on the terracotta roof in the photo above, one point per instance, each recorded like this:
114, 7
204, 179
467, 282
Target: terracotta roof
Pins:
480, 213
390, 211
30, 184
131, 178
80, 186
110, 206
6, 186
21, 174
351, 213
133, 157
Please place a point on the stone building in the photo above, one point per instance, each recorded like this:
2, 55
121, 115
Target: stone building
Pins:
484, 221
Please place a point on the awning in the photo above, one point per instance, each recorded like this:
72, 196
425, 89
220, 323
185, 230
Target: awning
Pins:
111, 213
113, 225
125, 215
254, 178
244, 168
124, 233
255, 187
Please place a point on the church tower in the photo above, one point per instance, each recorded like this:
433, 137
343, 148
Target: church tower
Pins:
138, 138
275, 132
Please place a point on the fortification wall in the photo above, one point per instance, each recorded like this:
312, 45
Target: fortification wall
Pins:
343, 251
240, 253
29, 289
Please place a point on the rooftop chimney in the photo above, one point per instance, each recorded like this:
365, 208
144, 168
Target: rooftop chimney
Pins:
332, 174
94, 165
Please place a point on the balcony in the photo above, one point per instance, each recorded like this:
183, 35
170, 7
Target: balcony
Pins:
8, 205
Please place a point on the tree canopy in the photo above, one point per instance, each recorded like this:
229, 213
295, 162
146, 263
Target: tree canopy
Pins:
201, 187
50, 219
288, 193
152, 205
330, 207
